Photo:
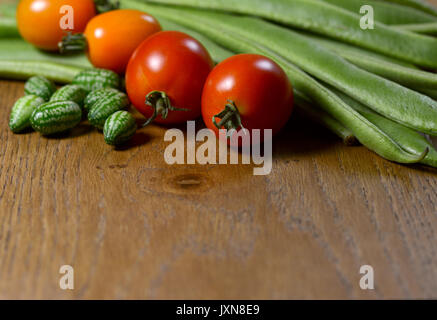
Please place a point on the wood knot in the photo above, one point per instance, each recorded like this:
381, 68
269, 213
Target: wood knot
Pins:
188, 182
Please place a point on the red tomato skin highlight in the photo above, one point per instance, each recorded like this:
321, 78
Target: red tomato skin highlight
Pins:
38, 21
113, 36
257, 85
174, 63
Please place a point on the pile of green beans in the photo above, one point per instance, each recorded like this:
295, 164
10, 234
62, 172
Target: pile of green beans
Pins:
8, 27
405, 74
388, 98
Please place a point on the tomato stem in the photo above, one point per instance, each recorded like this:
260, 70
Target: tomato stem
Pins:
230, 118
103, 6
72, 43
161, 105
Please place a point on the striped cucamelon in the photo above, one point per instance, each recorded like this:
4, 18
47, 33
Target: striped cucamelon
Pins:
97, 95
94, 79
40, 86
119, 128
103, 108
70, 92
57, 116
21, 112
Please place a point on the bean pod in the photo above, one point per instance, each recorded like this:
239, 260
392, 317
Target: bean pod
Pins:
119, 128
94, 79
105, 107
57, 116
40, 86
21, 112
70, 92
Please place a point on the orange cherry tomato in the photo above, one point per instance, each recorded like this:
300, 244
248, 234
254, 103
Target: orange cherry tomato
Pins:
39, 21
113, 36
252, 91
170, 68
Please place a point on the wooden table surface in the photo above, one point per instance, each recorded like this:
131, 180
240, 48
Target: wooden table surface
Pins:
132, 226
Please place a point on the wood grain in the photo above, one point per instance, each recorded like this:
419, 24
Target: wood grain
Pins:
134, 227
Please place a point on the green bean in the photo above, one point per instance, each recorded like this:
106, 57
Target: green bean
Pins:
18, 49
328, 20
388, 13
22, 70
422, 28
407, 75
8, 28
366, 132
217, 52
410, 140
417, 4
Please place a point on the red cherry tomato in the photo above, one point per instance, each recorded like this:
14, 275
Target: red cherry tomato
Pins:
39, 21
113, 36
170, 68
253, 89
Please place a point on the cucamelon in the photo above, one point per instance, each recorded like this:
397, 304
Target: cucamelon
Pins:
70, 92
94, 79
40, 86
54, 117
21, 112
119, 128
103, 108
97, 95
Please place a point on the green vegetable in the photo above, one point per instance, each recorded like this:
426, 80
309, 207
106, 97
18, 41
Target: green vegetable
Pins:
388, 13
308, 110
21, 112
410, 140
366, 132
8, 28
331, 21
119, 128
94, 79
70, 92
423, 28
217, 52
97, 95
418, 4
106, 106
407, 75
22, 70
54, 117
40, 86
